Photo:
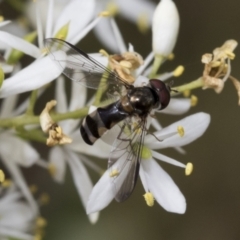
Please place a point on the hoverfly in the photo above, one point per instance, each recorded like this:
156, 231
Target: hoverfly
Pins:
127, 115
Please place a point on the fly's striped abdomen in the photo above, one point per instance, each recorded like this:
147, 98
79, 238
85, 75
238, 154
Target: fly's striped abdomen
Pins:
98, 122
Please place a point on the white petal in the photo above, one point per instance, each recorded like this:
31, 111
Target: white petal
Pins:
164, 190
36, 75
177, 106
77, 14
19, 44
19, 180
4, 23
105, 35
14, 234
81, 179
61, 95
101, 195
106, 188
56, 157
194, 127
132, 9
99, 149
165, 27
23, 154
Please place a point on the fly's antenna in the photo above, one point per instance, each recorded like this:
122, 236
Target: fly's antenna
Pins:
169, 85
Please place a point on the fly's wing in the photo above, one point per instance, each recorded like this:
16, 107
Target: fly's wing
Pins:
125, 157
79, 66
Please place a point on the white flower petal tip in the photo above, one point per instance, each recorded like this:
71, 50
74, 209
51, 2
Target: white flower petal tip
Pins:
165, 27
93, 217
163, 188
36, 75
194, 127
101, 195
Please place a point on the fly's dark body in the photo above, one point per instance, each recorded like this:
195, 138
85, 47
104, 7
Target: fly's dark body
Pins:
136, 103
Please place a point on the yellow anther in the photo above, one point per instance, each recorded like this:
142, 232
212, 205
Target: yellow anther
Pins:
230, 54
171, 56
188, 169
114, 173
149, 199
2, 176
52, 169
112, 8
215, 64
180, 130
194, 100
1, 18
33, 188
7, 183
142, 22
178, 71
125, 64
104, 53
44, 199
104, 14
186, 93
41, 222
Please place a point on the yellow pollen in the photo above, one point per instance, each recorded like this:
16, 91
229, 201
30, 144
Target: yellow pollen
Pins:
41, 222
230, 54
112, 8
180, 130
125, 64
171, 56
178, 71
52, 169
142, 22
37, 237
148, 196
33, 188
194, 100
186, 93
2, 176
1, 18
188, 169
104, 53
215, 64
104, 14
7, 183
114, 173
44, 199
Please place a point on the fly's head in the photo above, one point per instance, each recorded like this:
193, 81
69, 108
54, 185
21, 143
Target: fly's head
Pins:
162, 92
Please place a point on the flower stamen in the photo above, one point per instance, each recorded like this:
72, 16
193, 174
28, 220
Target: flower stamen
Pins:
148, 196
188, 169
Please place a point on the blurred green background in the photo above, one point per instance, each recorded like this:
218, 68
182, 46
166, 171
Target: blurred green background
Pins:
213, 190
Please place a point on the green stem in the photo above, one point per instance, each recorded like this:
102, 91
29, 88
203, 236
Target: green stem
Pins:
101, 88
29, 119
189, 86
158, 59
32, 101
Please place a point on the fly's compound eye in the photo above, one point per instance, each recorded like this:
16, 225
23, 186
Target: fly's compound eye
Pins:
162, 91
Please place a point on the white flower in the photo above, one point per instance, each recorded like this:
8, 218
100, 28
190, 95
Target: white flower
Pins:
155, 180
165, 27
17, 218
73, 154
74, 18
137, 11
23, 155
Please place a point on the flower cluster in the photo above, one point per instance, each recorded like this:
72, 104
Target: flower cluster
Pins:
58, 124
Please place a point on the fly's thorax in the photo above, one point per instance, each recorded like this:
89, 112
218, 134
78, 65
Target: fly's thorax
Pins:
142, 100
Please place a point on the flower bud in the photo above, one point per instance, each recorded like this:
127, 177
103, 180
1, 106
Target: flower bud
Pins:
165, 27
